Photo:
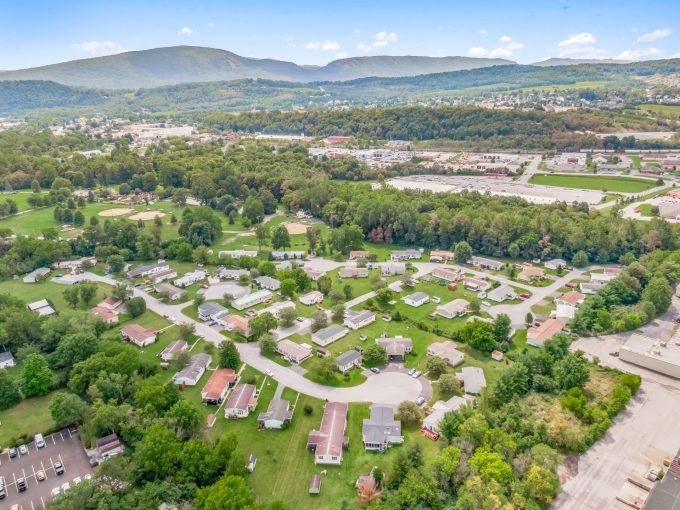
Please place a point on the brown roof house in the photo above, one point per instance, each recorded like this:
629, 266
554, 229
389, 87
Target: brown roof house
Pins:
329, 442
242, 401
218, 385
138, 335
106, 315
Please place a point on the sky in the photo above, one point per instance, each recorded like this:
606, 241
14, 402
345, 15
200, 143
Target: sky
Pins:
39, 32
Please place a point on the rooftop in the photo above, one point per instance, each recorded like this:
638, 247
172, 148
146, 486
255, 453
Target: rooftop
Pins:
137, 332
380, 425
331, 434
241, 396
278, 410
219, 379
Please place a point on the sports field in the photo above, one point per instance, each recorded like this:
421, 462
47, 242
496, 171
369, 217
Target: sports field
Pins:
595, 182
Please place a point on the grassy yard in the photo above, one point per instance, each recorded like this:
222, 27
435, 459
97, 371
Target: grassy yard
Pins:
49, 290
615, 184
20, 197
31, 416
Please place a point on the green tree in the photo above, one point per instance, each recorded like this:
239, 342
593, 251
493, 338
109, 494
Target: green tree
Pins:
659, 293
338, 313
72, 295
436, 366
572, 371
185, 418
267, 344
383, 296
68, 409
9, 391
445, 465
288, 287
262, 234
319, 320
229, 356
375, 355
253, 209
228, 493
501, 326
262, 324
287, 317
280, 237
157, 455
121, 291
326, 368
325, 284
479, 335
136, 306
580, 259
543, 484
409, 412
37, 377
490, 466
88, 291
347, 291
462, 252
448, 384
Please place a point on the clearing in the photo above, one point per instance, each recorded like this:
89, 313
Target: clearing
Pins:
616, 184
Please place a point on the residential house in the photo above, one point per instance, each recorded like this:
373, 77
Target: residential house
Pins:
277, 414
328, 335
218, 385
313, 275
36, 275
72, 265
417, 299
284, 264
143, 271
172, 350
293, 351
439, 409
162, 276
237, 254
108, 316
603, 277
210, 311
6, 360
110, 303
531, 273
441, 256
567, 304
485, 263
276, 308
329, 442
476, 284
252, 299
358, 254
353, 272
407, 255
171, 291
109, 446
537, 336
348, 360
42, 308
236, 323
472, 379
267, 282
590, 287
443, 273
138, 335
501, 293
191, 278
396, 348
381, 430
393, 268
287, 255
242, 401
447, 351
355, 320
311, 298
193, 371
555, 264
231, 274
452, 309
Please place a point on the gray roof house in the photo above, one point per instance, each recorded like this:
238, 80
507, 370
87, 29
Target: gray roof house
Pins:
151, 269
276, 415
473, 379
328, 335
501, 293
267, 282
192, 373
211, 311
381, 430
36, 275
348, 360
396, 348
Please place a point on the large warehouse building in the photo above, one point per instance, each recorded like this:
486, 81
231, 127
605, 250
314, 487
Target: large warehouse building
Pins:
662, 356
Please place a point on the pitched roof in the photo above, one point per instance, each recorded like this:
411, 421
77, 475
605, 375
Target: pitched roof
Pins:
348, 357
278, 410
137, 332
104, 313
545, 331
219, 380
380, 425
572, 297
331, 434
395, 346
241, 396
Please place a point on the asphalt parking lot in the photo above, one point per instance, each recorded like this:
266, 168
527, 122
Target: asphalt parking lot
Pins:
64, 446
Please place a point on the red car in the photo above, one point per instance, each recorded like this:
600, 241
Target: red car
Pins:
524, 296
569, 285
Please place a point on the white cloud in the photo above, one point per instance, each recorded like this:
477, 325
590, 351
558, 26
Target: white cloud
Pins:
483, 31
325, 45
355, 31
477, 52
641, 54
582, 45
99, 48
211, 25
186, 31
505, 39
342, 54
380, 40
659, 33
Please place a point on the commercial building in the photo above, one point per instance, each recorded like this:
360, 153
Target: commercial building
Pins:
267, 282
381, 430
447, 351
396, 348
348, 360
417, 299
173, 293
218, 385
255, 298
42, 307
191, 278
138, 335
329, 442
192, 373
293, 351
242, 401
452, 309
311, 298
472, 379
277, 414
501, 293
665, 494
661, 356
355, 320
210, 311
537, 336
328, 335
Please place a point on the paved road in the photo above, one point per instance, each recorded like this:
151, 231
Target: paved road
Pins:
530, 170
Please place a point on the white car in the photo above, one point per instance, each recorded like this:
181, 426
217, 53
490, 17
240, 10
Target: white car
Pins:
412, 371
269, 373
56, 492
436, 299
77, 480
416, 374
363, 338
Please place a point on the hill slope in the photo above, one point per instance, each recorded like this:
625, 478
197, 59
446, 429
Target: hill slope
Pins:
184, 64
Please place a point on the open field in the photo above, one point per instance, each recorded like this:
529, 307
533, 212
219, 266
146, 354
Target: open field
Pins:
616, 184
20, 197
672, 110
49, 290
30, 416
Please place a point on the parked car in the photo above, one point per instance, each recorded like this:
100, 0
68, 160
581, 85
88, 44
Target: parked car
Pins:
441, 283
524, 296
416, 374
59, 468
55, 492
23, 450
12, 453
300, 319
77, 480
569, 285
375, 370
269, 373
420, 401
40, 475
3, 489
21, 484
39, 441
412, 371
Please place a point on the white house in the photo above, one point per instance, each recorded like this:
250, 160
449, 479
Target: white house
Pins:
355, 320
276, 415
393, 268
287, 255
36, 275
348, 360
293, 351
237, 254
328, 335
456, 308
417, 299
41, 307
191, 278
267, 282
242, 401
255, 298
6, 360
311, 298
407, 255
192, 373
473, 379
439, 409
555, 263
501, 293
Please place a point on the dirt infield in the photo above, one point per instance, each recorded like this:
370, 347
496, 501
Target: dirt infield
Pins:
147, 215
295, 227
108, 213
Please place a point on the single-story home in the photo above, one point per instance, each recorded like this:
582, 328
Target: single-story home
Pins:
242, 401
358, 254
381, 430
218, 385
590, 287
446, 274
110, 303
602, 277
407, 255
355, 320
192, 373
173, 349
231, 274
313, 274
109, 446
348, 360
293, 351
485, 263
456, 308
237, 254
567, 304
106, 315
439, 409
210, 311
441, 255
531, 273
41, 307
163, 275
556, 263
353, 272
236, 323
328, 335
540, 335
276, 415
173, 293
329, 442
138, 335
267, 282
142, 271
472, 379
6, 359
36, 275
191, 278
476, 284
396, 348
447, 351
417, 299
287, 255
501, 293
252, 299
393, 268
311, 298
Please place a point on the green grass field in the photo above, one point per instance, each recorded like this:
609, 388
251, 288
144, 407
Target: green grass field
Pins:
20, 197
672, 110
47, 289
602, 183
31, 416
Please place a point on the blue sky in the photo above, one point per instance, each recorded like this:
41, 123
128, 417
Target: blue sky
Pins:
41, 32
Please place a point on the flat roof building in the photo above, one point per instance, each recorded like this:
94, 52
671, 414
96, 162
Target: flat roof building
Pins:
661, 356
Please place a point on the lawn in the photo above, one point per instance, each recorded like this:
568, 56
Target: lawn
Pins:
615, 184
30, 417
645, 209
29, 292
354, 376
671, 110
20, 197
